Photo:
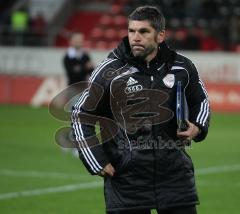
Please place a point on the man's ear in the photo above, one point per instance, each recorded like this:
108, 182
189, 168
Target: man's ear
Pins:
160, 36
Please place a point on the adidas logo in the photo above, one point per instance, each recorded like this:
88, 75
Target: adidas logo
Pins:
131, 81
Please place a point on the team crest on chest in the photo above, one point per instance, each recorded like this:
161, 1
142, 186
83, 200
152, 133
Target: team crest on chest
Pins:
169, 80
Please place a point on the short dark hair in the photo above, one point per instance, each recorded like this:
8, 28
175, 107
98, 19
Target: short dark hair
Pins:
151, 14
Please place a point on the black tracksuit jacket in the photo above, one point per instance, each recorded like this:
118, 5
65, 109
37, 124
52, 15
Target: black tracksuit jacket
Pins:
135, 103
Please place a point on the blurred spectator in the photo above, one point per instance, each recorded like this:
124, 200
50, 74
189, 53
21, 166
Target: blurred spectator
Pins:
38, 27
77, 62
193, 40
177, 40
209, 42
19, 25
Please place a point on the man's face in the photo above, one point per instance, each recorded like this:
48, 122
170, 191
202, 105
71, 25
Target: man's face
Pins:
76, 41
144, 39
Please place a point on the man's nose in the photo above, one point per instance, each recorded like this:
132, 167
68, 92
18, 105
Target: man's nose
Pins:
136, 36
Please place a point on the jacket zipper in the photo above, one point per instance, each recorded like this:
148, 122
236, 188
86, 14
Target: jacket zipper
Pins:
151, 77
151, 80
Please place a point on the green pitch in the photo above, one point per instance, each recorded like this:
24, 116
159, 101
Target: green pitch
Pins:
36, 176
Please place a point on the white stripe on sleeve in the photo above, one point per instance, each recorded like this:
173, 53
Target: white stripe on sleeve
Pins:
78, 131
203, 113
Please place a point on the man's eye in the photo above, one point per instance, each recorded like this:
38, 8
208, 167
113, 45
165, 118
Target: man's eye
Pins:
143, 31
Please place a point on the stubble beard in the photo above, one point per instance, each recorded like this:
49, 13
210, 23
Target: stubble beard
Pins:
142, 55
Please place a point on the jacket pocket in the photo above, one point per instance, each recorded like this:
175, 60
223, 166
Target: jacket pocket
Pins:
187, 160
125, 162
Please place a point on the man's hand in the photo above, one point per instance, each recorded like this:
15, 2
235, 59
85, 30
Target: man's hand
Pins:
108, 170
190, 133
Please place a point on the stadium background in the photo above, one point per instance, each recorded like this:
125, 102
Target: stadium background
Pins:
36, 176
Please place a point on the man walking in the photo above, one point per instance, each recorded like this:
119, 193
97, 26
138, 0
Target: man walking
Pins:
142, 156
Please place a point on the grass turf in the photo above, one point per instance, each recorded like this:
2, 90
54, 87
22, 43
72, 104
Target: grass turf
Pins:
31, 160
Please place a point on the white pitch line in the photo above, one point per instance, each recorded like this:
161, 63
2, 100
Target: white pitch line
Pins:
60, 175
41, 174
218, 184
74, 187
35, 192
217, 169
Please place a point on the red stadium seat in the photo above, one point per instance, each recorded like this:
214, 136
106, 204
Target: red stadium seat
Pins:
102, 45
111, 34
116, 9
106, 21
97, 34
88, 44
120, 21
